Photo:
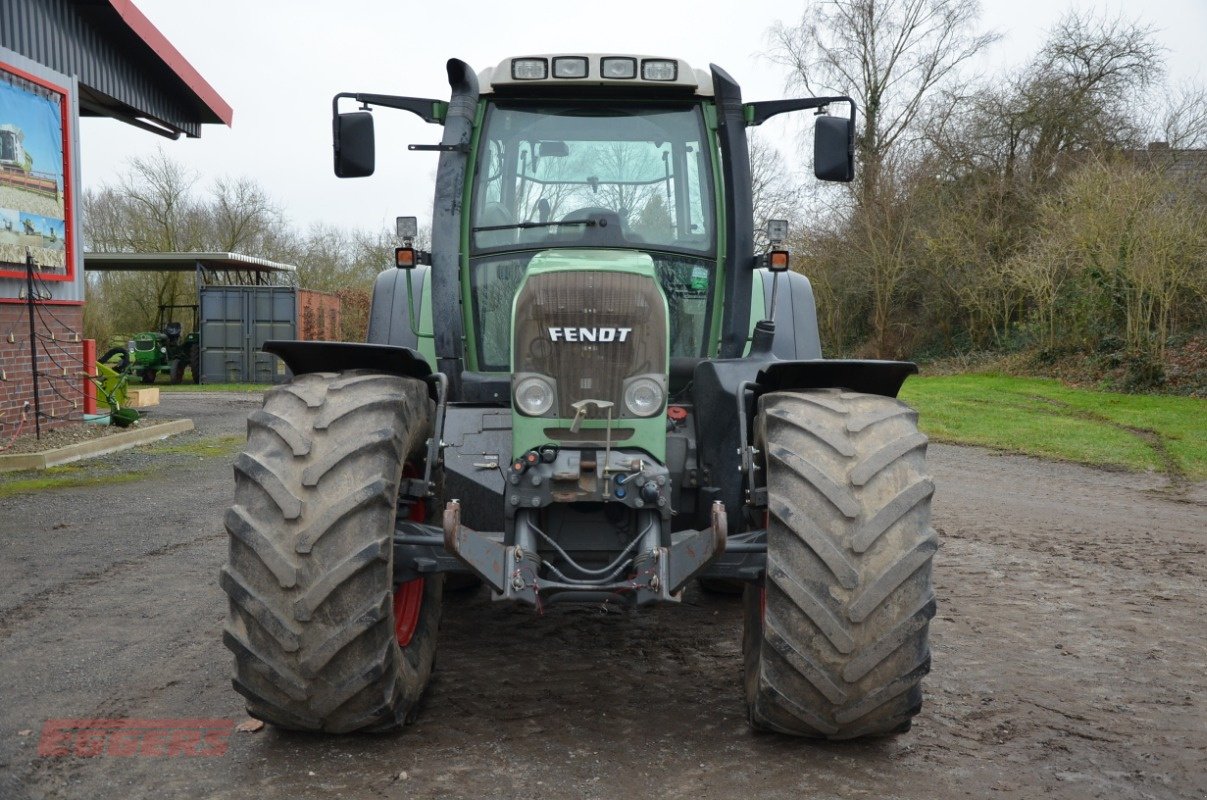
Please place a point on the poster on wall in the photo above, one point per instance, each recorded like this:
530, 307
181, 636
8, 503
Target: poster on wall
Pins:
35, 192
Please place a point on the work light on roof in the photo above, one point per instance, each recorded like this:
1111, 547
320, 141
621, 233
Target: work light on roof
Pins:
618, 68
570, 67
659, 69
529, 69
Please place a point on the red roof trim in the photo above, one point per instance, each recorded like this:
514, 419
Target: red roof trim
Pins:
158, 43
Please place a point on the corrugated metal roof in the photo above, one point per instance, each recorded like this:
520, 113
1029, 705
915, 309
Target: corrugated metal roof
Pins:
125, 66
180, 262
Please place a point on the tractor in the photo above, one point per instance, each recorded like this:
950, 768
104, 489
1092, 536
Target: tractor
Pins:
165, 350
591, 390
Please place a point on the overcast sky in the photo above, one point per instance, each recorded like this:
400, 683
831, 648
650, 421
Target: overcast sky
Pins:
278, 63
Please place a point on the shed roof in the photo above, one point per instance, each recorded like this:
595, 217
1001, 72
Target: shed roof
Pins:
180, 262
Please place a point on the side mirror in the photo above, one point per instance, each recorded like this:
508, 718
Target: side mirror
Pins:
833, 149
354, 144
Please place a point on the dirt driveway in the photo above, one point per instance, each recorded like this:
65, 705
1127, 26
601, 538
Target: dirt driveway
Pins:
1070, 656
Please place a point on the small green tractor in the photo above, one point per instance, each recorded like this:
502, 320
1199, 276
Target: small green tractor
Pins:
591, 390
165, 350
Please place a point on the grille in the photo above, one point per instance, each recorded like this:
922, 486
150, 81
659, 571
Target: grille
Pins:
558, 314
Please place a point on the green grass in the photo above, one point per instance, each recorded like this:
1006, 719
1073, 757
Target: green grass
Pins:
202, 448
1043, 417
70, 476
207, 387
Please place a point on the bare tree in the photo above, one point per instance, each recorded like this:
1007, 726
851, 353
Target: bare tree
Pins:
243, 218
1184, 118
890, 55
155, 207
777, 193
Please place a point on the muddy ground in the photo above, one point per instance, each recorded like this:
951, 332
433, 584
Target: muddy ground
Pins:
1070, 656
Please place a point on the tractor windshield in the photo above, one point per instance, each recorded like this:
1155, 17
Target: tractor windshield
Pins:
574, 175
605, 176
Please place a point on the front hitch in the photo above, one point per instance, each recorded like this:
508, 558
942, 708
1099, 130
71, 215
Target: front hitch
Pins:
514, 571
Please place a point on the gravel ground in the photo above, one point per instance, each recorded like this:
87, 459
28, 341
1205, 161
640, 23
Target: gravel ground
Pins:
1070, 657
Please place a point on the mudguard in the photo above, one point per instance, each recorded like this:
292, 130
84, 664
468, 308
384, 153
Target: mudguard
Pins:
867, 376
303, 357
720, 433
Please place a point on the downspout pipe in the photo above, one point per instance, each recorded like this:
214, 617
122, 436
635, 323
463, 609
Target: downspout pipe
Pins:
738, 261
446, 223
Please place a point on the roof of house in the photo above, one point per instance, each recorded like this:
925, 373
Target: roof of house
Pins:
126, 68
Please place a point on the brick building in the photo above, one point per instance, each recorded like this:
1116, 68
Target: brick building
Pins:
60, 59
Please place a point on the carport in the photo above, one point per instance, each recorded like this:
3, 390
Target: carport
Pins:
242, 301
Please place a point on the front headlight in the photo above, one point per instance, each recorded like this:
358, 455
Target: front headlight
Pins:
644, 396
534, 395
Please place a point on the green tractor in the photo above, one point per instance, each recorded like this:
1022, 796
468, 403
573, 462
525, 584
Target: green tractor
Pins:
164, 350
591, 390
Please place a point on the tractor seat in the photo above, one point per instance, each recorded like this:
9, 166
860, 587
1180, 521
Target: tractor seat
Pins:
172, 331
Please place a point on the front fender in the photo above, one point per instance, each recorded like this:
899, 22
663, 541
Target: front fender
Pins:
303, 357
870, 377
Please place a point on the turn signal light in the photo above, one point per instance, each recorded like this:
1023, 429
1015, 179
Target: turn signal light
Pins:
404, 257
777, 260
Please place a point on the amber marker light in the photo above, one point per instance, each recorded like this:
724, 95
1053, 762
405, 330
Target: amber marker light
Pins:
404, 257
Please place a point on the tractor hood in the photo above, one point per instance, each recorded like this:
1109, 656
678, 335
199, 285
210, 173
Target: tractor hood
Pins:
590, 346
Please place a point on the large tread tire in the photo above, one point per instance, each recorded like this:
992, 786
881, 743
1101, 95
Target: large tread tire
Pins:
310, 570
176, 376
835, 641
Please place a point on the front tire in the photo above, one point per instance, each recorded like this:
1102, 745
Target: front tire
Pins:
310, 572
835, 640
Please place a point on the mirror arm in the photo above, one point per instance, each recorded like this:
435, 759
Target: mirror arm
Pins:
426, 109
760, 112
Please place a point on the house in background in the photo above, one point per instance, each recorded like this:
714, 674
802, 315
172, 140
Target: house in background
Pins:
60, 60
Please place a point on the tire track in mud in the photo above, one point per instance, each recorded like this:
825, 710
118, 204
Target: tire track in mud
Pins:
1179, 482
14, 617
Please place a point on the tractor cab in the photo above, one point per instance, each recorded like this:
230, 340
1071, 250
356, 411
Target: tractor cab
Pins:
621, 178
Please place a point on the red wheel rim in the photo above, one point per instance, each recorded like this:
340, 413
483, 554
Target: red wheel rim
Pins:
408, 600
408, 597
